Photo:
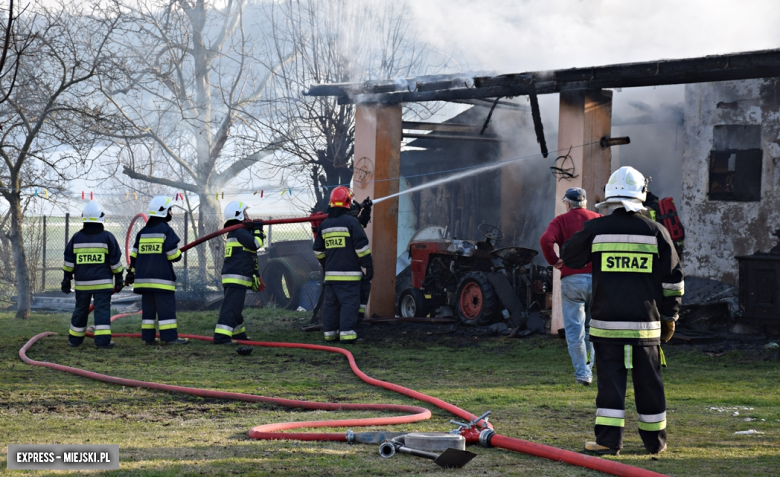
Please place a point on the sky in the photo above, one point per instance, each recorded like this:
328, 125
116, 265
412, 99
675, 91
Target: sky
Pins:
514, 36
506, 36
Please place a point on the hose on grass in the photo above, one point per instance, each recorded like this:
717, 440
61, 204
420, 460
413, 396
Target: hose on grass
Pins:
415, 413
273, 431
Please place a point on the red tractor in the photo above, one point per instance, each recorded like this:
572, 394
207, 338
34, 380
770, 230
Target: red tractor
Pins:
481, 284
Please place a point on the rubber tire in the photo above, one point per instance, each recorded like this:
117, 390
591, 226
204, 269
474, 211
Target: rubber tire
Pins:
295, 272
489, 312
418, 298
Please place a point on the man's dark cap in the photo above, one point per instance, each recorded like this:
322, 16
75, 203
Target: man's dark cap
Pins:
576, 194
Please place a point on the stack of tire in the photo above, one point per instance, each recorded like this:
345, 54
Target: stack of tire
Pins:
285, 270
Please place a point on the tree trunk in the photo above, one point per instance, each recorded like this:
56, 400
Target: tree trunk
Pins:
23, 288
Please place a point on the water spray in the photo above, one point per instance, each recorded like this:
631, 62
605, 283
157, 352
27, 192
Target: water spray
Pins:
454, 177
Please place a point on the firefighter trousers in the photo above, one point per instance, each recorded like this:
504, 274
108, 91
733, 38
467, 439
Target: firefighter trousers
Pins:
339, 310
162, 307
230, 324
78, 322
613, 363
365, 291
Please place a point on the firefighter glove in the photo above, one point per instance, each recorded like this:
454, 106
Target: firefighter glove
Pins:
65, 285
369, 273
118, 283
129, 278
257, 284
667, 330
257, 225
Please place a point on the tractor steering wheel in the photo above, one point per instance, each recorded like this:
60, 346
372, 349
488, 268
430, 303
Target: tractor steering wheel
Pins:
490, 231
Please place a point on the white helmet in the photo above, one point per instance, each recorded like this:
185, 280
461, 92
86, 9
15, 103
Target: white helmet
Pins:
627, 183
235, 210
93, 212
627, 188
159, 205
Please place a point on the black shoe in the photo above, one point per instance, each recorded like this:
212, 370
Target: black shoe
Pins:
179, 341
224, 342
152, 343
73, 345
662, 449
105, 346
582, 381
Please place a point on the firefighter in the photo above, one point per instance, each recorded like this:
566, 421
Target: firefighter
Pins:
155, 250
94, 258
341, 246
239, 273
637, 290
362, 212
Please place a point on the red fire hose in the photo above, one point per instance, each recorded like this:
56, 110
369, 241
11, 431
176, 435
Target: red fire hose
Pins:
271, 431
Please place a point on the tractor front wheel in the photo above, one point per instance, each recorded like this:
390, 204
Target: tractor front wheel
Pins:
412, 304
477, 300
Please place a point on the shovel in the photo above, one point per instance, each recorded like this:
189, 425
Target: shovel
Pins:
450, 458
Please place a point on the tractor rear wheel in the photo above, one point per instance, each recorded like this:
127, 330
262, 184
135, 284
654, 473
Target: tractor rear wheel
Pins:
412, 304
477, 300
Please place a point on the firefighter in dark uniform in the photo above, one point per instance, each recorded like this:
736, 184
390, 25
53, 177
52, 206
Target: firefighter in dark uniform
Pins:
341, 246
637, 289
94, 257
239, 273
155, 250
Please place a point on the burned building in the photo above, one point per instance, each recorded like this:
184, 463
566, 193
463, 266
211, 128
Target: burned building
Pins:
730, 175
464, 144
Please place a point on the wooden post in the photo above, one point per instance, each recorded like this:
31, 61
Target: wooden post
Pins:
377, 166
585, 117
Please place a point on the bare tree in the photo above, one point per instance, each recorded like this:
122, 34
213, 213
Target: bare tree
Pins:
43, 143
190, 76
13, 46
334, 41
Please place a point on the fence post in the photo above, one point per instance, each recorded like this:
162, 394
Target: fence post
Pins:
186, 241
269, 232
67, 229
43, 261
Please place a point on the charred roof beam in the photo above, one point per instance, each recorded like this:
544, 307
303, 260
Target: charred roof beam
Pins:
735, 66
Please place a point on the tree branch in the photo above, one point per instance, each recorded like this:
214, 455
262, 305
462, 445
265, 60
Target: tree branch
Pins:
241, 165
159, 180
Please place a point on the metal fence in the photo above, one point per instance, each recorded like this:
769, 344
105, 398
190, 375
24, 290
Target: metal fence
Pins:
288, 266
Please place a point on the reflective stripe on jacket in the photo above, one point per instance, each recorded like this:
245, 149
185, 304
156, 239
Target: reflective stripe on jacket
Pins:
240, 263
637, 277
156, 248
343, 247
93, 259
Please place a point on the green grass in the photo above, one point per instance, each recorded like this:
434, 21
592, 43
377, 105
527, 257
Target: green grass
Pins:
528, 385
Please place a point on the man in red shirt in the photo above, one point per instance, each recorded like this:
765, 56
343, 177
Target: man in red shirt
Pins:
576, 284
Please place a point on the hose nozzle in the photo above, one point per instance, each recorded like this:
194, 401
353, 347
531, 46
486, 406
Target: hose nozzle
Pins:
387, 449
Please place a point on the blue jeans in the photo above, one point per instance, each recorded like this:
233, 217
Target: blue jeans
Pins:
575, 300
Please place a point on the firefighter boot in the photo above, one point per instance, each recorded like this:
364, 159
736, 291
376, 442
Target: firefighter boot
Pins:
594, 448
178, 341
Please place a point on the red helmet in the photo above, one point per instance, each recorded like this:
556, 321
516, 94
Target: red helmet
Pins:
341, 197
